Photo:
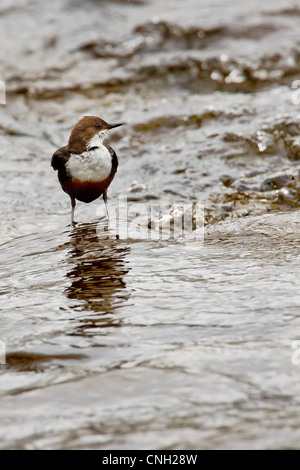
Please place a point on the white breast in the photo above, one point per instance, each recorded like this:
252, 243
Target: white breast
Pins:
93, 165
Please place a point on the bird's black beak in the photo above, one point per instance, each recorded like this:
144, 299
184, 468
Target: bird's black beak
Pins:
112, 126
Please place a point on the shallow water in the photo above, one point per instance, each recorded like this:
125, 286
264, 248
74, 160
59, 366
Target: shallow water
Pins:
122, 343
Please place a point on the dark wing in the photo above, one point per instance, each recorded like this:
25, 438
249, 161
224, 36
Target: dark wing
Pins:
58, 162
60, 158
114, 161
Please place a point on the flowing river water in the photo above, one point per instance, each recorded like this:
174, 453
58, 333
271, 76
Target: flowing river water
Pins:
123, 343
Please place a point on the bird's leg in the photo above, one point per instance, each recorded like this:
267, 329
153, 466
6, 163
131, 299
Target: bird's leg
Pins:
73, 203
105, 201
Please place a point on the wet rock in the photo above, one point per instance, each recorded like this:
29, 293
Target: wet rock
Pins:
175, 121
194, 37
292, 146
282, 127
227, 180
277, 182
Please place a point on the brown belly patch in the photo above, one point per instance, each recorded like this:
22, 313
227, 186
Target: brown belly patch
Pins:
86, 191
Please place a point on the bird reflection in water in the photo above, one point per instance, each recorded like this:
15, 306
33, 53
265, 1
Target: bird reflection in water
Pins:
98, 269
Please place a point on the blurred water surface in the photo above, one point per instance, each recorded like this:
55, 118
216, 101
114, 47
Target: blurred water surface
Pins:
152, 344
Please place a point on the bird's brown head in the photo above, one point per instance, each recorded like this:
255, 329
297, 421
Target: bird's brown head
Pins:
87, 129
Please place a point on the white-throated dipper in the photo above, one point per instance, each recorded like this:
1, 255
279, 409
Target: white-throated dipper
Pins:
85, 166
